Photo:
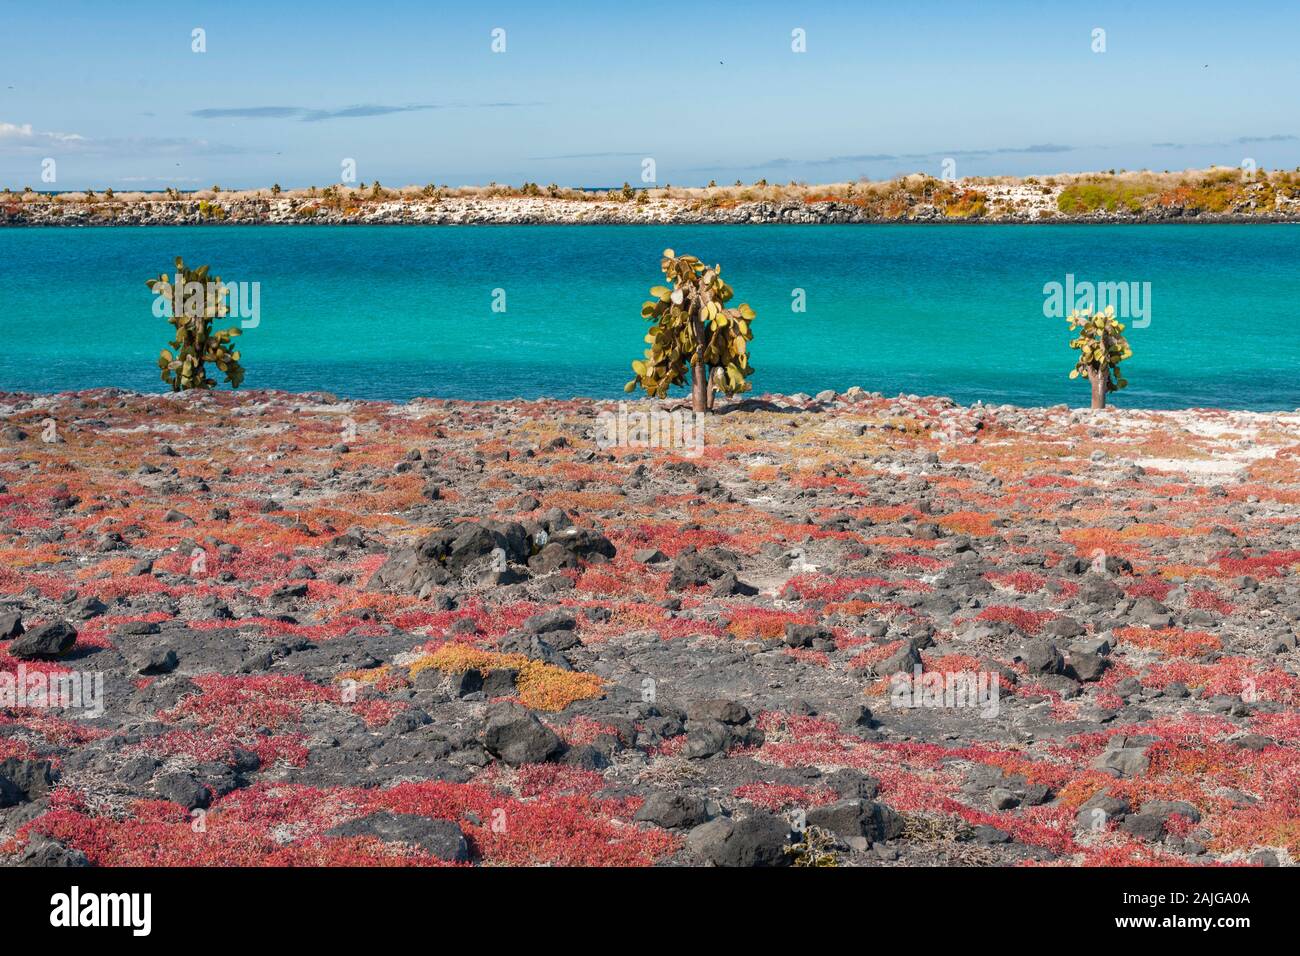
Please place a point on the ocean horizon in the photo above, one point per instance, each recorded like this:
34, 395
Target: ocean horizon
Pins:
532, 311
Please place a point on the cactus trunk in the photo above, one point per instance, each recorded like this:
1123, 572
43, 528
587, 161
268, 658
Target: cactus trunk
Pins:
700, 383
699, 387
1098, 378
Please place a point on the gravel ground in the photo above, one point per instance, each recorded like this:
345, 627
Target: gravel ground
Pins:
843, 629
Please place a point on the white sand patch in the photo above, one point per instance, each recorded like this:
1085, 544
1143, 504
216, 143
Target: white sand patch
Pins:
1216, 466
1223, 463
1238, 431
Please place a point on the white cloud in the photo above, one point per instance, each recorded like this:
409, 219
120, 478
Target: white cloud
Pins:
25, 137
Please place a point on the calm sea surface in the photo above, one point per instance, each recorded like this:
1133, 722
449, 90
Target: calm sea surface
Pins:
400, 311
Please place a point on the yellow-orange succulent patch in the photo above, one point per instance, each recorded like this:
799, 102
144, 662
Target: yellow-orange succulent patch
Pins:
541, 686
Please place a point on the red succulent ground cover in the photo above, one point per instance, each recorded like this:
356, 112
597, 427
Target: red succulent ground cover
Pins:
738, 655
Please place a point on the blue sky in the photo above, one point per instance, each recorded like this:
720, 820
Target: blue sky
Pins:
584, 91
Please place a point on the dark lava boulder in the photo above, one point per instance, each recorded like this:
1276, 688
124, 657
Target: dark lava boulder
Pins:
515, 735
440, 838
672, 810
44, 642
757, 840
858, 818
444, 555
694, 569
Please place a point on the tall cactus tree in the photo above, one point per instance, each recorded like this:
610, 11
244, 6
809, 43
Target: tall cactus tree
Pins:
196, 302
692, 328
1102, 346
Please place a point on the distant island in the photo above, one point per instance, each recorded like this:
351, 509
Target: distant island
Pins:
1218, 194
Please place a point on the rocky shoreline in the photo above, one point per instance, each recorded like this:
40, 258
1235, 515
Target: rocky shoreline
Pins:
849, 630
1008, 206
1215, 195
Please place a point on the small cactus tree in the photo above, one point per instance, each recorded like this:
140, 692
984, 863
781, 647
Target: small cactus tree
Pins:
1102, 347
692, 328
196, 301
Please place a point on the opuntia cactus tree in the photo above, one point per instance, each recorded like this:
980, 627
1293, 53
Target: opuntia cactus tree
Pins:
1102, 347
692, 328
197, 301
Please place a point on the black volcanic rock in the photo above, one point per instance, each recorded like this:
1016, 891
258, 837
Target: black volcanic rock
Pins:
757, 840
516, 736
45, 642
440, 838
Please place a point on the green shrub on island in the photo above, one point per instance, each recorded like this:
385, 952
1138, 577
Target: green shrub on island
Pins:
196, 302
1101, 346
693, 329
1218, 191
1112, 195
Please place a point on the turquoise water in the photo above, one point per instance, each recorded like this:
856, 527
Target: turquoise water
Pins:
399, 311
